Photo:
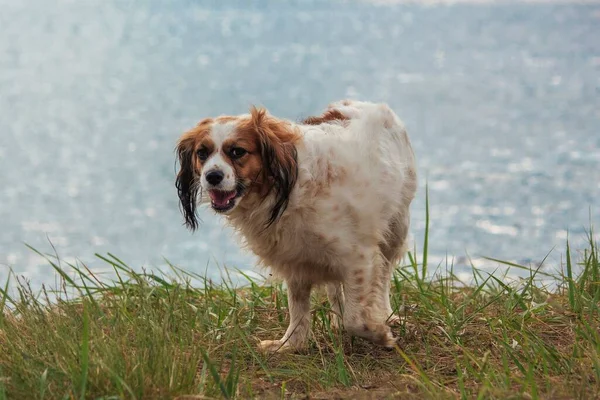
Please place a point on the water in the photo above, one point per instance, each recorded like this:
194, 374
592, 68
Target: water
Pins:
502, 104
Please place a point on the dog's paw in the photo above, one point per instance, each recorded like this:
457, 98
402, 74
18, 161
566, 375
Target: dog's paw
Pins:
279, 346
272, 346
394, 320
381, 335
387, 340
378, 333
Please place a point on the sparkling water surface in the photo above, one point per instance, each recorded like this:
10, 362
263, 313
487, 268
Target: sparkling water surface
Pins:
502, 103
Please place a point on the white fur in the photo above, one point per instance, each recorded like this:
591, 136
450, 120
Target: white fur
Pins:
346, 223
219, 132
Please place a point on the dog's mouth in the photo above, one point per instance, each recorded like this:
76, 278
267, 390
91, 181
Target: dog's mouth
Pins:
224, 200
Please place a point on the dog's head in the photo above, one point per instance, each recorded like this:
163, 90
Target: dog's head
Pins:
229, 158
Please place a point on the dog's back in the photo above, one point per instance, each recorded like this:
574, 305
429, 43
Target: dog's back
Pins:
355, 185
369, 139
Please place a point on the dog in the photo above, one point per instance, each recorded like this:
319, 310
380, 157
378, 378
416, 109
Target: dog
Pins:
324, 201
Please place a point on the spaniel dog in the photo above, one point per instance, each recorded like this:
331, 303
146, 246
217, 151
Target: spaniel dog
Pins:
323, 201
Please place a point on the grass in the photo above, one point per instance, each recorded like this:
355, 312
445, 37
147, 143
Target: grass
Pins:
150, 336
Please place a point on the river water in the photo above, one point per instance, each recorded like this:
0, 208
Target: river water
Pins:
502, 103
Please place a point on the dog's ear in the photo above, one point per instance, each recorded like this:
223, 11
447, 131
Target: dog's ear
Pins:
187, 182
277, 142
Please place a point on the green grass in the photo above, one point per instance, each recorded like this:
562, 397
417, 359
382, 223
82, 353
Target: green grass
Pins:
148, 336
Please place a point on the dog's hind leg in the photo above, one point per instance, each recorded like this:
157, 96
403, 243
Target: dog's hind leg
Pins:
363, 313
393, 250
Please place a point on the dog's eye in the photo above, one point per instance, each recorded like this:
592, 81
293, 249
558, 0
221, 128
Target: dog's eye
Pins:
237, 152
203, 154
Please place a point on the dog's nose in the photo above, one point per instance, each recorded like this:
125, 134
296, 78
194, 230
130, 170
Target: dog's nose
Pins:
214, 177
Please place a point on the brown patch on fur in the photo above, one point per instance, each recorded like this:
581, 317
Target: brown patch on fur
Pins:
365, 328
411, 172
248, 168
205, 122
223, 119
388, 122
323, 191
334, 174
191, 167
329, 174
353, 215
342, 174
359, 280
307, 212
191, 141
328, 116
275, 144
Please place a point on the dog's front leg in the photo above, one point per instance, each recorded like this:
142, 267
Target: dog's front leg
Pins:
295, 338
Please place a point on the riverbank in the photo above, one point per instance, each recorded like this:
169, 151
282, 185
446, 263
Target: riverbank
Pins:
147, 336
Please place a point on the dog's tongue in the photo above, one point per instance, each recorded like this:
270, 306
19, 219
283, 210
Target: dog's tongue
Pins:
221, 198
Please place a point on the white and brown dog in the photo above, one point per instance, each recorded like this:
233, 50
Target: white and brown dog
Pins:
324, 201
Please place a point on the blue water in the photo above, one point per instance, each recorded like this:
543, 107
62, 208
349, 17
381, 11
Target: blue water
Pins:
502, 103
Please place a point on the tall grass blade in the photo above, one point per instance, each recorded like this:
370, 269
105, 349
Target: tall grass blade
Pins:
56, 268
529, 283
519, 266
215, 375
426, 238
233, 375
85, 351
343, 375
5, 297
570, 281
43, 384
254, 353
413, 365
3, 395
